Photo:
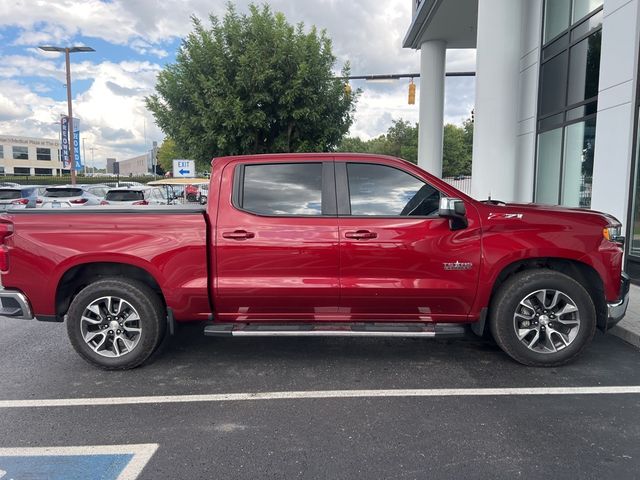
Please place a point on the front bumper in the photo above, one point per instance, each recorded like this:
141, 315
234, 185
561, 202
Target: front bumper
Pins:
14, 304
617, 310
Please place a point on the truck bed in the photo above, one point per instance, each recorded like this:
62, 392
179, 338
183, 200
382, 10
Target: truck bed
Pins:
168, 244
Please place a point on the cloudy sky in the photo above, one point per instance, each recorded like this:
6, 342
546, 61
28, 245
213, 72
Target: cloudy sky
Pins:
134, 39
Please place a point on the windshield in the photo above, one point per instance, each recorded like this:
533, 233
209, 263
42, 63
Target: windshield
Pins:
124, 195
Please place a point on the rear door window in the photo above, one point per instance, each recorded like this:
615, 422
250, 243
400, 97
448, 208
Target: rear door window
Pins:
124, 195
287, 189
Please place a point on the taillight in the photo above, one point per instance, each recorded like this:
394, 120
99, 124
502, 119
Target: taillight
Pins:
38, 201
104, 202
6, 229
20, 201
141, 202
79, 201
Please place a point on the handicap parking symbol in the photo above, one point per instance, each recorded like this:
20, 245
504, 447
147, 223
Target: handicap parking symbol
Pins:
99, 462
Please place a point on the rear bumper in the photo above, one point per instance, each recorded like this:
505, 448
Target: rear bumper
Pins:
617, 310
14, 304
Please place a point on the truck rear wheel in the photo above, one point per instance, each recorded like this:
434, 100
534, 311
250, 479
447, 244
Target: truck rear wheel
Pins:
542, 318
116, 324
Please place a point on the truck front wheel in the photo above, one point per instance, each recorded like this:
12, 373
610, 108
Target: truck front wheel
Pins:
116, 324
542, 318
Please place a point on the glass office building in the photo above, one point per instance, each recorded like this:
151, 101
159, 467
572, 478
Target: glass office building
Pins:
557, 100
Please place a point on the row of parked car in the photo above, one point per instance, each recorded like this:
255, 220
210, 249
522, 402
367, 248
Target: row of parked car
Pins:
127, 193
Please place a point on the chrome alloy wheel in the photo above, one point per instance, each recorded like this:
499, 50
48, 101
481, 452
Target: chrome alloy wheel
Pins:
111, 327
547, 321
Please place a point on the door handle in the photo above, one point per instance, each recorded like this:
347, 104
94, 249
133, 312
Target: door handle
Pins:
238, 235
361, 234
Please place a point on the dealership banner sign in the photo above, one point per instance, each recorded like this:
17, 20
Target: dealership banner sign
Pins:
64, 143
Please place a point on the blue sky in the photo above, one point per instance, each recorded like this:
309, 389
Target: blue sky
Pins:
135, 39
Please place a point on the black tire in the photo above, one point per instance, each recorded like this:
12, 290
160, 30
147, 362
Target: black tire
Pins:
140, 297
507, 300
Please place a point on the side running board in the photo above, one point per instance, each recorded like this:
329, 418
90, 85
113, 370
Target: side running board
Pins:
334, 330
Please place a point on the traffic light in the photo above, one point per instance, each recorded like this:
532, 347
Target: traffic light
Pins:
347, 89
473, 115
412, 93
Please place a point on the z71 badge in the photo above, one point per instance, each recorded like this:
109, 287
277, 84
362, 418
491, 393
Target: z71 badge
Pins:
457, 265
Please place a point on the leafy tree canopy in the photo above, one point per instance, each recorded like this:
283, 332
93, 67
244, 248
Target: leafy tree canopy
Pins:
252, 84
401, 140
167, 153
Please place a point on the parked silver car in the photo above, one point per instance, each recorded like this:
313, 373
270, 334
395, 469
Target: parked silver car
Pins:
68, 196
136, 196
18, 196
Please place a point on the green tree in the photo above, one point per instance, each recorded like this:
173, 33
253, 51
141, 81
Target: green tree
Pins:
401, 140
167, 153
252, 84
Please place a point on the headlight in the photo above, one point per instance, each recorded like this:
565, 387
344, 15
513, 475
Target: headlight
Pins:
613, 233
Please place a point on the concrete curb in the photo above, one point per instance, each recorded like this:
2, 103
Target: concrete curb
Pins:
629, 328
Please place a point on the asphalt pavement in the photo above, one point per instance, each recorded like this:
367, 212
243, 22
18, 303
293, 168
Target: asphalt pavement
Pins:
451, 428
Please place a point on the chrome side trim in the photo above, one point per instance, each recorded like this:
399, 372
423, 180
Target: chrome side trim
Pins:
21, 311
327, 333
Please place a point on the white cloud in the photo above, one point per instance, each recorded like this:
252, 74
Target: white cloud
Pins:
368, 34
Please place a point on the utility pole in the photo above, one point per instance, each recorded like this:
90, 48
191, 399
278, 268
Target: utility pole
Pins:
67, 51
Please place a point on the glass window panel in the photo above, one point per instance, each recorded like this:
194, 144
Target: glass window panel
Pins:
582, 111
584, 69
43, 171
22, 170
283, 189
1, 151
386, 191
555, 47
548, 174
553, 84
21, 153
556, 17
43, 153
579, 148
582, 7
550, 122
585, 27
635, 225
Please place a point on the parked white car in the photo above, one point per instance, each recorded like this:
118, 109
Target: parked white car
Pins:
136, 196
67, 196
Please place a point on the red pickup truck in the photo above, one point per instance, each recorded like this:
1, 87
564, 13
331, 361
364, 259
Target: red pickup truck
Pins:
317, 245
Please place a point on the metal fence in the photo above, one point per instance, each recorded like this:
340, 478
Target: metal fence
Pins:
462, 183
44, 180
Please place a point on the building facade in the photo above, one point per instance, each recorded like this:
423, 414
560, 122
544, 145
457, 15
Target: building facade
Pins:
557, 100
30, 156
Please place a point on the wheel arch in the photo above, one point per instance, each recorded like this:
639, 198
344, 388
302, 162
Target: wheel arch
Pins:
583, 273
79, 276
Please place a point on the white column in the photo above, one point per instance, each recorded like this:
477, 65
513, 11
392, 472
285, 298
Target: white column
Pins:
432, 73
497, 99
612, 164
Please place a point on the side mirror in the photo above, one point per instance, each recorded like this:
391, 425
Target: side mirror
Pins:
455, 211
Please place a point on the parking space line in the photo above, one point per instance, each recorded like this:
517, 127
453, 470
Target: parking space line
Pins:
25, 460
319, 394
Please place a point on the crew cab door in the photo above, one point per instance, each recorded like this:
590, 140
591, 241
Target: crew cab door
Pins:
276, 236
398, 259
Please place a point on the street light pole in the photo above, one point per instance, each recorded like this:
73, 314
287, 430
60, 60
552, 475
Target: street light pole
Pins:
72, 153
70, 133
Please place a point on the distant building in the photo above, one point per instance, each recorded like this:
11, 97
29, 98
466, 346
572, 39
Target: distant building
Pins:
30, 156
110, 162
134, 166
